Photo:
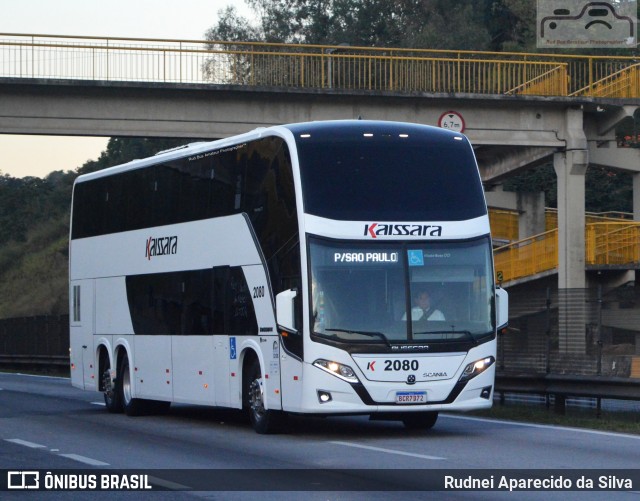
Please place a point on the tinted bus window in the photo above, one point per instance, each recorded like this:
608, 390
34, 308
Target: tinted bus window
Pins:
192, 303
391, 172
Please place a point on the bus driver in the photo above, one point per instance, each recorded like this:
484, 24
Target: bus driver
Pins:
423, 309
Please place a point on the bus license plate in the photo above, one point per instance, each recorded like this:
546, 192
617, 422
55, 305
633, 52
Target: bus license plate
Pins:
411, 397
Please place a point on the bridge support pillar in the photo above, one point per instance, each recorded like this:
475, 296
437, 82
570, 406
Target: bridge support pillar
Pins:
571, 167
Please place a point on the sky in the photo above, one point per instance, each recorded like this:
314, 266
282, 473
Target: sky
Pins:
168, 19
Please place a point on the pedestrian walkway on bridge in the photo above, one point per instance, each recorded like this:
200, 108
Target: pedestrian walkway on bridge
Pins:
317, 66
612, 242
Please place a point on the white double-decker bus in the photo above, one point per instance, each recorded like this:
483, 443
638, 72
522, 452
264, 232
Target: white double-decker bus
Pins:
324, 268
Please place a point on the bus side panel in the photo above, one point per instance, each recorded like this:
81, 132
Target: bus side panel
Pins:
269, 344
76, 341
291, 383
151, 368
194, 369
112, 309
81, 322
222, 371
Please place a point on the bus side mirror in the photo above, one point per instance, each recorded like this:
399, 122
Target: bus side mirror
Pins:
502, 309
285, 316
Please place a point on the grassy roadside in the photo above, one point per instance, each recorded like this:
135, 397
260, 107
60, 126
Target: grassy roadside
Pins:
621, 422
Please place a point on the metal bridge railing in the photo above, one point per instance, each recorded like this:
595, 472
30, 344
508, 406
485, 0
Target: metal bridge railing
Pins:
305, 66
504, 225
607, 243
527, 257
551, 217
612, 243
622, 83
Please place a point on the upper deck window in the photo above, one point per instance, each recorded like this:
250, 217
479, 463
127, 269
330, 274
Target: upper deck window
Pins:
364, 170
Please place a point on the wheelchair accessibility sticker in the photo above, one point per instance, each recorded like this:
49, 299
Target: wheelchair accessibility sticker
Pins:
586, 24
232, 348
416, 257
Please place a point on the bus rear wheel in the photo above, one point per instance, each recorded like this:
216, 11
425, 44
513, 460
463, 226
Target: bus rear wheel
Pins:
135, 406
263, 420
420, 420
112, 392
132, 406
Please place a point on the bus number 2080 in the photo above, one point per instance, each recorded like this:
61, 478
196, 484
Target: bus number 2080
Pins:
401, 365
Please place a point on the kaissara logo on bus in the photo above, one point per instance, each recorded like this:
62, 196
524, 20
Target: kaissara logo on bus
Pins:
374, 230
161, 246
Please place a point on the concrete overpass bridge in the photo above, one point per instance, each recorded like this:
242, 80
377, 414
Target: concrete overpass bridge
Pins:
519, 110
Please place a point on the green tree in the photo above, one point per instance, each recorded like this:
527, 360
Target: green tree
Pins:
432, 24
441, 24
512, 25
121, 150
606, 189
34, 229
231, 27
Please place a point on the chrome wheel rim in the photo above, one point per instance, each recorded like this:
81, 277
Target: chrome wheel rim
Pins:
256, 400
126, 385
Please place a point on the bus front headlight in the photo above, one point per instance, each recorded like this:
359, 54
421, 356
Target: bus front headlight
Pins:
475, 368
337, 369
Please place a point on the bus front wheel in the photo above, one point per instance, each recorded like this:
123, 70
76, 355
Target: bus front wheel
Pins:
263, 420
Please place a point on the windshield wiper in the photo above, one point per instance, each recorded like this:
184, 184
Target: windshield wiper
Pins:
468, 333
364, 333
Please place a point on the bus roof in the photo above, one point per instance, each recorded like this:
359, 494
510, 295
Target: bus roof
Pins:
279, 130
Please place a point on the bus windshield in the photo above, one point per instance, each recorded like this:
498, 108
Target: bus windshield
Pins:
401, 292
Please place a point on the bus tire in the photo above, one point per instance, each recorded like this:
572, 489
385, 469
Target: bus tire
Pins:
420, 420
132, 406
264, 421
112, 392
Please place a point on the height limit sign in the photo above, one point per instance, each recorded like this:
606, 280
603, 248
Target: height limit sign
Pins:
451, 120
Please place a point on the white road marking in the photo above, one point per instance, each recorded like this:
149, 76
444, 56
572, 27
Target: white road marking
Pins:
25, 443
388, 451
75, 457
85, 460
98, 403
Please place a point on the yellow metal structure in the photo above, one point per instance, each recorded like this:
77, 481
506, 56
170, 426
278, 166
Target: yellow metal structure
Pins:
551, 217
635, 367
611, 239
316, 66
527, 257
622, 83
610, 243
504, 225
